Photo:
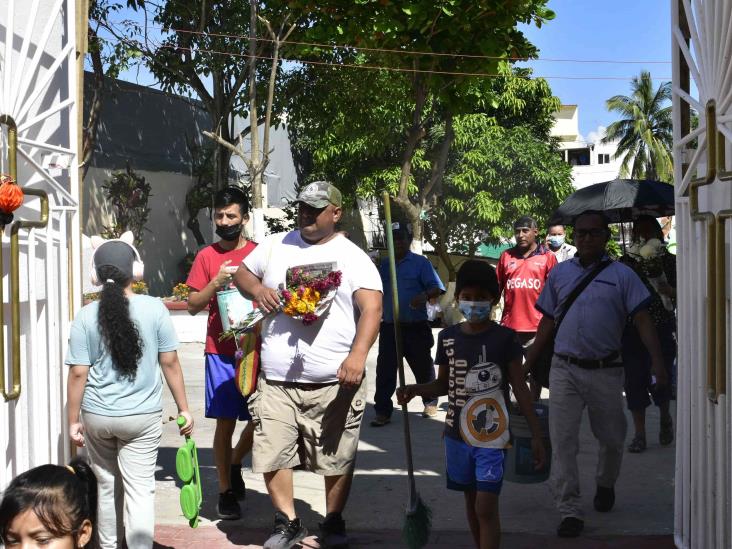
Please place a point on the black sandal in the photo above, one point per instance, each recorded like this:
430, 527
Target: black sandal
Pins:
666, 434
637, 445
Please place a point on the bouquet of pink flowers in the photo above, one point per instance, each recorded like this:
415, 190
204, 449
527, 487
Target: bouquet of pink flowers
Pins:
306, 295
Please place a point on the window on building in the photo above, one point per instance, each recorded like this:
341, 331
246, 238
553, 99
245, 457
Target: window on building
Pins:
578, 157
603, 158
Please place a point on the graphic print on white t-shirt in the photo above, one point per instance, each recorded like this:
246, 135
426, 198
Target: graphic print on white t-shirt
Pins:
312, 270
484, 417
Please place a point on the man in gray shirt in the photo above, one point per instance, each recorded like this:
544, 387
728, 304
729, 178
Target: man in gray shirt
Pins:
587, 366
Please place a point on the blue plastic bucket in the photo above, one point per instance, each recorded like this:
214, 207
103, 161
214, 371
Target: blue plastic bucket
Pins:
519, 466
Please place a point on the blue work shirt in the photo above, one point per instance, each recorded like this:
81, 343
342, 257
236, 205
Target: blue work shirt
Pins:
593, 327
415, 275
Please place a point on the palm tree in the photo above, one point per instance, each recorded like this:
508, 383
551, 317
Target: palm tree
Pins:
644, 133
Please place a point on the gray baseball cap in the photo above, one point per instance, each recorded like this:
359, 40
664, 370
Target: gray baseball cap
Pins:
319, 194
115, 254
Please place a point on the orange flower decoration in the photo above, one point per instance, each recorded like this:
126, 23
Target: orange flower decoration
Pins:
11, 195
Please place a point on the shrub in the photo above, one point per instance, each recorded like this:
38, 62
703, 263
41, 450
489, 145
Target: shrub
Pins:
181, 292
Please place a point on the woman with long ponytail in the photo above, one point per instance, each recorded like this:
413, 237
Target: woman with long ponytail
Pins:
117, 349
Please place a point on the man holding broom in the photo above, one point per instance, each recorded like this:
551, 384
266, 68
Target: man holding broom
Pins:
310, 398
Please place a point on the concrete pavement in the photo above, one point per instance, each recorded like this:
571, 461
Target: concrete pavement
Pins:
643, 515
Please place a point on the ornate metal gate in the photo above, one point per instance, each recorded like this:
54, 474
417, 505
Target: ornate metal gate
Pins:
702, 104
40, 250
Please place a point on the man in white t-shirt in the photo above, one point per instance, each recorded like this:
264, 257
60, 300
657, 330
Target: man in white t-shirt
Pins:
311, 394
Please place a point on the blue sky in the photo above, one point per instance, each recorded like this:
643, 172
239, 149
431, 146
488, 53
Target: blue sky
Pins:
626, 30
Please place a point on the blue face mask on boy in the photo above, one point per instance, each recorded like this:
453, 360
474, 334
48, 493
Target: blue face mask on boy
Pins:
556, 241
475, 311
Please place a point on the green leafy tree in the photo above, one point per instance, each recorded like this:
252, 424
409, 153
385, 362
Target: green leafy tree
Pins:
213, 50
503, 163
495, 175
432, 95
345, 126
644, 132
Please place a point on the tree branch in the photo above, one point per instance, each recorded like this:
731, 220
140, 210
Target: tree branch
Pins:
440, 163
221, 141
415, 135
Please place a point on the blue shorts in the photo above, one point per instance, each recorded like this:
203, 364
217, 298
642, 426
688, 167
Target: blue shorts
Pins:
473, 469
223, 400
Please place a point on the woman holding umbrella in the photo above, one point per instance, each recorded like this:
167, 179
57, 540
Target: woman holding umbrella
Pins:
657, 269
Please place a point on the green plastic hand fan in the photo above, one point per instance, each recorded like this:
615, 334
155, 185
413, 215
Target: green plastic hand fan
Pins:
186, 465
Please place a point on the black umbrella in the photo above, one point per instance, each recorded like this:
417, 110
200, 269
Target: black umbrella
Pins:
621, 200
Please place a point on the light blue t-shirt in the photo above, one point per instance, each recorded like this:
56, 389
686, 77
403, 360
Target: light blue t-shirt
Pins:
106, 392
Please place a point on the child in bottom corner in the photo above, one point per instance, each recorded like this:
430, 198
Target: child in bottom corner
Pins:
477, 360
51, 506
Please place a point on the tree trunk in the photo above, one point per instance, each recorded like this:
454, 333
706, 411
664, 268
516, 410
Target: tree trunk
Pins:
223, 159
220, 119
256, 168
447, 260
89, 132
415, 134
195, 227
447, 301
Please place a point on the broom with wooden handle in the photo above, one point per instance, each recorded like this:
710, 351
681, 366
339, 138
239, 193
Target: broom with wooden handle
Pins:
418, 520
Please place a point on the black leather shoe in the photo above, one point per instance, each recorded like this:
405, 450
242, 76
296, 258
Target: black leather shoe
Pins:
604, 499
570, 527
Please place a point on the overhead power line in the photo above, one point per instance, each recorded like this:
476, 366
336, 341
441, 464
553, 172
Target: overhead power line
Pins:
411, 52
382, 67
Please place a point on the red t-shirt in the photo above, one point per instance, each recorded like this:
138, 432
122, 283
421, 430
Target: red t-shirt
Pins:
521, 280
205, 268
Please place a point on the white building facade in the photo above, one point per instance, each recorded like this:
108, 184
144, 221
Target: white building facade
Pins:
592, 161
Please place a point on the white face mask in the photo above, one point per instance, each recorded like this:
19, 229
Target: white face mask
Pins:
475, 311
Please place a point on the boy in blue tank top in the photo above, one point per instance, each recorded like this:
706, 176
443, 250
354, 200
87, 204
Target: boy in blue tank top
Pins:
477, 360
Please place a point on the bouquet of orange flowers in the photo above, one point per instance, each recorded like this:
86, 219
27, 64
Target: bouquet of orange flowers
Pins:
306, 295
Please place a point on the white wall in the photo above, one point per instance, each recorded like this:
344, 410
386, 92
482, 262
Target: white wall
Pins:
583, 176
566, 125
566, 128
166, 240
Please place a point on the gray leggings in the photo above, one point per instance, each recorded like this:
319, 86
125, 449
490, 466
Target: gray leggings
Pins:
123, 452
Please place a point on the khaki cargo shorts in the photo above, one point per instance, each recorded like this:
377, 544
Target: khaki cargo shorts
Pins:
316, 426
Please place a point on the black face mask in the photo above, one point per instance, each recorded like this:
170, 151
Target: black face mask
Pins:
232, 232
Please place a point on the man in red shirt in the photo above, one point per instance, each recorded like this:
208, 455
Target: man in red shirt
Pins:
522, 272
212, 271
